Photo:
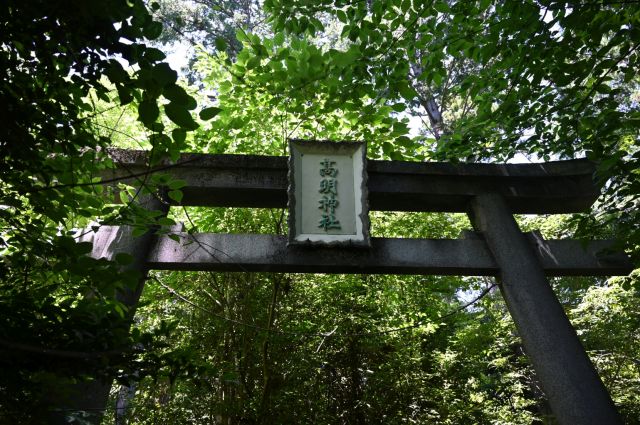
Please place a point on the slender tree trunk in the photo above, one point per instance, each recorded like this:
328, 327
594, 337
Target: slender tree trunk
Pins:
125, 395
266, 368
356, 414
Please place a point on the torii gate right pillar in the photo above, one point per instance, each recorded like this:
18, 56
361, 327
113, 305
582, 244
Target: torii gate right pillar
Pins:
575, 392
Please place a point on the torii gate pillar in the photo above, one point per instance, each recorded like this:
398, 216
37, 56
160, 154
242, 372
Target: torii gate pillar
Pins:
572, 386
109, 241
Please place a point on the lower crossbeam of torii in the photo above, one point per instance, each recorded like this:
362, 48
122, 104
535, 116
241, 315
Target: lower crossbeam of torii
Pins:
489, 193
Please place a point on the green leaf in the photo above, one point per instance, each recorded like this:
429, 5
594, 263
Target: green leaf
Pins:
177, 184
148, 112
152, 30
343, 59
154, 55
180, 115
83, 247
157, 127
208, 113
123, 258
354, 32
442, 7
221, 44
166, 221
438, 77
404, 141
396, 156
241, 36
163, 74
179, 96
139, 231
116, 73
407, 92
125, 95
179, 135
278, 39
603, 88
253, 62
176, 195
161, 141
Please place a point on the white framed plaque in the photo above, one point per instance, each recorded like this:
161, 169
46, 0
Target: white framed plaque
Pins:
328, 198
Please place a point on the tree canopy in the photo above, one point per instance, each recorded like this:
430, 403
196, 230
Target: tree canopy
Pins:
435, 80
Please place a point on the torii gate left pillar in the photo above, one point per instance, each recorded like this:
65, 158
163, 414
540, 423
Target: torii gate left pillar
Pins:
91, 397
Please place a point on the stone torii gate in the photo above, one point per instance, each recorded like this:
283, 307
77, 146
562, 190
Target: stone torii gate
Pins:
489, 193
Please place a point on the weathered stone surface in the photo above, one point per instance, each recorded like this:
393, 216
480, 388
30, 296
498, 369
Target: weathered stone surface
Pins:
470, 256
569, 380
108, 242
261, 182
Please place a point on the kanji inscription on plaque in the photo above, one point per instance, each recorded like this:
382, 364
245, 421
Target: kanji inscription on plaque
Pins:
327, 193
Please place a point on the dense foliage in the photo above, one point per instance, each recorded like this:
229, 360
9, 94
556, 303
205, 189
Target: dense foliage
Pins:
53, 56
483, 80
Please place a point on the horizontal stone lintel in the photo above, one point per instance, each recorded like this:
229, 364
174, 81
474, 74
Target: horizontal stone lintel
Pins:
469, 256
261, 182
